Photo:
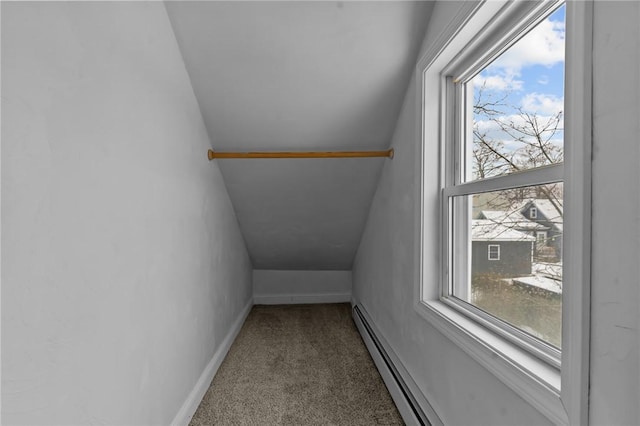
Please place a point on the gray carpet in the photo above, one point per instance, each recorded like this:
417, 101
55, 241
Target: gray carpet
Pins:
297, 365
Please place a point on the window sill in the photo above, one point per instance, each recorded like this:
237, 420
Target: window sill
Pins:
531, 378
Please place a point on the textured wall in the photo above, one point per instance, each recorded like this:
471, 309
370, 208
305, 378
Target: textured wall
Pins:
615, 317
123, 265
279, 287
386, 271
386, 265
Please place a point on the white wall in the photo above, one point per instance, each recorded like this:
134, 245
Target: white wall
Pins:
615, 316
284, 287
123, 265
386, 266
385, 271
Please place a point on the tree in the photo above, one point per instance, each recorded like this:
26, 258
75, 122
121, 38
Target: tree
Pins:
530, 138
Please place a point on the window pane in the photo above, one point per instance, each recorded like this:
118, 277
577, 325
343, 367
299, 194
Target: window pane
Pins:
512, 265
516, 121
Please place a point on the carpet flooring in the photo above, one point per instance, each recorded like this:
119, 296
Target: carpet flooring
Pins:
297, 365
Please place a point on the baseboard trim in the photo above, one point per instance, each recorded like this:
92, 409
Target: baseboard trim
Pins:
289, 299
414, 408
188, 409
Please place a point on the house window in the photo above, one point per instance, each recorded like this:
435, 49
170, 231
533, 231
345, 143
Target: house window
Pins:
494, 252
541, 238
493, 105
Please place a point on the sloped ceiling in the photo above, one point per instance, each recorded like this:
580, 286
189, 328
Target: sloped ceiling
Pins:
300, 76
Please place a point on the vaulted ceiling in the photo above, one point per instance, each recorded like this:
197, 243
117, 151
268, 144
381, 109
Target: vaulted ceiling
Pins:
300, 76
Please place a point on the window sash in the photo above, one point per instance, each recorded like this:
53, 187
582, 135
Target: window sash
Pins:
495, 255
540, 176
456, 171
461, 269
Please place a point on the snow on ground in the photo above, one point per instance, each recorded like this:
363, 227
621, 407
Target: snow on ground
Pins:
547, 276
542, 282
550, 270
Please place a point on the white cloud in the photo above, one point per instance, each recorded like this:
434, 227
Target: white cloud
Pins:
498, 82
543, 104
543, 45
486, 126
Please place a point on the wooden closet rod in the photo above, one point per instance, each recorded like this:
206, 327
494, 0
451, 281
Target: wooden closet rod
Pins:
321, 154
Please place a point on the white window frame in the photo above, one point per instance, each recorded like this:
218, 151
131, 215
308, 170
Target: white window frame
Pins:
489, 251
558, 390
456, 279
542, 241
533, 213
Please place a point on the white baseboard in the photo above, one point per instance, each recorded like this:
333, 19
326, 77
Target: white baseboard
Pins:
192, 402
413, 406
291, 299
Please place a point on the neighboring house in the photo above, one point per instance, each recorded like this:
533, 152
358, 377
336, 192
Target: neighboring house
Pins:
500, 249
539, 218
550, 215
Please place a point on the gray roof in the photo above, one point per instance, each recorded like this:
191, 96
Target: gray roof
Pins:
512, 219
489, 230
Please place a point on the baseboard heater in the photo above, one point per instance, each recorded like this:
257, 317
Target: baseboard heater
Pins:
409, 408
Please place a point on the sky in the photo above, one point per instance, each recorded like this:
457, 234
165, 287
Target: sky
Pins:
530, 73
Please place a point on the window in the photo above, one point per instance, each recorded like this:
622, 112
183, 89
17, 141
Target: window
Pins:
541, 238
504, 119
494, 252
493, 105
